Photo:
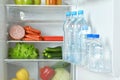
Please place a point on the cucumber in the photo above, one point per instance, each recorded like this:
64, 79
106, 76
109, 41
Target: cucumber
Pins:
55, 49
52, 55
60, 64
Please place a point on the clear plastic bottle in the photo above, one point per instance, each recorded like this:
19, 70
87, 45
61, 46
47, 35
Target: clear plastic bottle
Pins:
72, 40
82, 29
66, 36
95, 55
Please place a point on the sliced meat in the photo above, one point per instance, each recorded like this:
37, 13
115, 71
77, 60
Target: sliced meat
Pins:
17, 32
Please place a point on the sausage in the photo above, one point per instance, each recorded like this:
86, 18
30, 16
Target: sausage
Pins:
34, 37
32, 33
30, 39
16, 32
29, 28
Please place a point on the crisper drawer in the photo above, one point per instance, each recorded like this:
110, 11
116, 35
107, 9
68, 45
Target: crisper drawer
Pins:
36, 70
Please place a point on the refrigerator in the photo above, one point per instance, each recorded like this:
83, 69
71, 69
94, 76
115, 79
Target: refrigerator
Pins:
102, 15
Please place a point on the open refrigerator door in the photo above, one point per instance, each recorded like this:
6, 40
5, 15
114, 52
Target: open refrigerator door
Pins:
32, 40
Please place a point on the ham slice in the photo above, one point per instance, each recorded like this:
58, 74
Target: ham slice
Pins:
17, 32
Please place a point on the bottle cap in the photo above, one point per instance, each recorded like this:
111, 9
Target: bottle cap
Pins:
93, 35
74, 13
80, 12
68, 13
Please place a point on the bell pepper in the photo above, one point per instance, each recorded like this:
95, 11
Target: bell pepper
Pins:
47, 73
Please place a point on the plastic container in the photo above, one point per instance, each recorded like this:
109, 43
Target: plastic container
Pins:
95, 53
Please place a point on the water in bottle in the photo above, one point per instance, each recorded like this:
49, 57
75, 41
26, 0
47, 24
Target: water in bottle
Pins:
95, 53
83, 28
66, 36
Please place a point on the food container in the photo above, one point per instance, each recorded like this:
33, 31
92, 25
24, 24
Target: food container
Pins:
53, 2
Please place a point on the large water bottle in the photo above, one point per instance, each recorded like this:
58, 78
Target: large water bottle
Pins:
82, 29
95, 53
72, 35
66, 36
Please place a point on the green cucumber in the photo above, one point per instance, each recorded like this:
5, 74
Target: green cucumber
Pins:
52, 55
55, 49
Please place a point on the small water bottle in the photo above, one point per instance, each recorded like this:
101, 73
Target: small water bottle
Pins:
66, 36
95, 53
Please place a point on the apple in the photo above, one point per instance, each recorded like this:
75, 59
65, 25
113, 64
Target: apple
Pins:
37, 2
19, 2
27, 2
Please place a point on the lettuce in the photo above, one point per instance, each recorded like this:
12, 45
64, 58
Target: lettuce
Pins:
23, 51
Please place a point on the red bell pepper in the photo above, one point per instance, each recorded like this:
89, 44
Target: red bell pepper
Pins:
46, 73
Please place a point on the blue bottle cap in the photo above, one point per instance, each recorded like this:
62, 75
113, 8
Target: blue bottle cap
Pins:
68, 13
96, 35
80, 12
74, 13
89, 35
93, 35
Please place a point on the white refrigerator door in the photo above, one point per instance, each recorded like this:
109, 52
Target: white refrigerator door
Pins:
104, 17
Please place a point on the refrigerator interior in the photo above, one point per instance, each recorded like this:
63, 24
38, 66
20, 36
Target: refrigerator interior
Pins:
98, 13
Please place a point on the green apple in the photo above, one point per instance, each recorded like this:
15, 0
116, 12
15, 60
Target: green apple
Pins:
19, 2
27, 2
37, 2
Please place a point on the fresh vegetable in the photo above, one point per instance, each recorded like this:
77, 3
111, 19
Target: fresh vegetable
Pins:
47, 73
14, 79
53, 52
22, 74
23, 51
37, 2
53, 38
25, 2
53, 49
53, 55
18, 2
60, 64
61, 74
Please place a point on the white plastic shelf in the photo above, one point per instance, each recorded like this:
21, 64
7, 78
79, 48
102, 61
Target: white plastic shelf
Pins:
34, 41
30, 60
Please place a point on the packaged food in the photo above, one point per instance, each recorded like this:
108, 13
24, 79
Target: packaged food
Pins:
51, 2
59, 2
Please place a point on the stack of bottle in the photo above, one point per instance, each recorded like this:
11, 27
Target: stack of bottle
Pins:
81, 46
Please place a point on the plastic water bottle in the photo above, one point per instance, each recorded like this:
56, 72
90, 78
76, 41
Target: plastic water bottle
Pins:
95, 53
66, 36
72, 35
82, 29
